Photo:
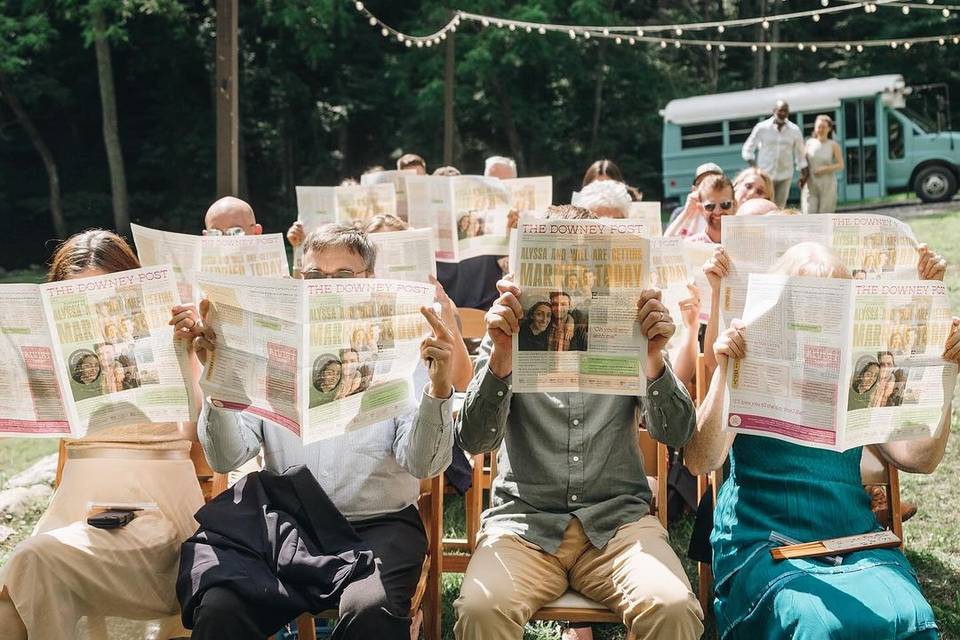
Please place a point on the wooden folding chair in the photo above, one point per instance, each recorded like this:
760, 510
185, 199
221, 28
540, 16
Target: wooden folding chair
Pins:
472, 324
425, 606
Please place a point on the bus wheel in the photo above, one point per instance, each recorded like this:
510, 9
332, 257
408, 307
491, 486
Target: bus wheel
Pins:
935, 183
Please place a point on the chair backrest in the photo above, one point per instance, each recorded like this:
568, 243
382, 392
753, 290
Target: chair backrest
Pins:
472, 324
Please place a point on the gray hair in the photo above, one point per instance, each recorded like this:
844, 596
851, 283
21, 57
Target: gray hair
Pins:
346, 236
493, 161
604, 194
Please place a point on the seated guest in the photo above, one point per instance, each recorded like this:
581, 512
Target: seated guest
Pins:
231, 216
412, 162
752, 182
447, 171
688, 219
68, 570
605, 198
571, 500
607, 170
500, 167
807, 494
370, 474
715, 195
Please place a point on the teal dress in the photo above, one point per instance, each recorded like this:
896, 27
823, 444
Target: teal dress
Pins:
806, 494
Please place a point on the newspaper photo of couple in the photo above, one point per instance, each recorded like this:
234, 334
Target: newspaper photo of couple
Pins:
879, 382
555, 324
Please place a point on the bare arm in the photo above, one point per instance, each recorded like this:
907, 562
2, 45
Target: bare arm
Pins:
685, 362
923, 456
716, 268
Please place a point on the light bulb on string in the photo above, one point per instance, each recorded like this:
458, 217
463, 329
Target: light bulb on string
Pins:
800, 46
722, 47
905, 9
663, 44
824, 3
906, 45
408, 43
513, 27
606, 32
678, 31
632, 41
813, 48
753, 48
816, 17
358, 5
572, 34
859, 48
893, 45
765, 24
941, 42
618, 40
946, 13
542, 31
385, 32
528, 29
485, 22
372, 21
721, 28
768, 48
709, 47
847, 47
956, 39
420, 44
676, 44
639, 33
399, 37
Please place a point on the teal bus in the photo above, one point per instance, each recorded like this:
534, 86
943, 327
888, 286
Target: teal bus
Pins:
886, 146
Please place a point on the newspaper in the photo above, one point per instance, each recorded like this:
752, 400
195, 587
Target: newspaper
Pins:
580, 283
470, 213
695, 254
396, 178
838, 363
261, 255
668, 272
649, 212
871, 246
91, 353
318, 357
406, 255
317, 206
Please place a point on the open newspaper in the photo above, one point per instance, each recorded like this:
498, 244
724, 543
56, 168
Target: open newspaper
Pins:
91, 353
471, 214
649, 212
405, 255
318, 357
695, 254
871, 246
317, 206
580, 282
261, 255
669, 273
396, 178
837, 363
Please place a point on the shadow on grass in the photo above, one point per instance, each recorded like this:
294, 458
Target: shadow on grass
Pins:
941, 586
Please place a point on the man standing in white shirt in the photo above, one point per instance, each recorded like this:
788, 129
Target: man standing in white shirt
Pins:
775, 145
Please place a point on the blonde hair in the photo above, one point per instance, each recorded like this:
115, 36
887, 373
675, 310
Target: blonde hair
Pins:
384, 222
760, 173
810, 259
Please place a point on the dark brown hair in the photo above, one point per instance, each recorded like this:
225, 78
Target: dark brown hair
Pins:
409, 160
91, 249
602, 168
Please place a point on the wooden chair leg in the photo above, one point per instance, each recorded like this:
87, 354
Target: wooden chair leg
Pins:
473, 502
663, 470
893, 500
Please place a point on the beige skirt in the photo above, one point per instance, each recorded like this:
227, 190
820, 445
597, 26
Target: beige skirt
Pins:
71, 580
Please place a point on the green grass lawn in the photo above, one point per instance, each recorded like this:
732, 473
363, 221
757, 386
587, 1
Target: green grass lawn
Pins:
932, 536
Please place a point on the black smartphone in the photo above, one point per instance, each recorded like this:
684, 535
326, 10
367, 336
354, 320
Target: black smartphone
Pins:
112, 519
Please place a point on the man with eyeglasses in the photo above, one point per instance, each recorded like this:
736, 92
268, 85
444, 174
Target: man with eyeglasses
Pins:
716, 201
231, 216
371, 474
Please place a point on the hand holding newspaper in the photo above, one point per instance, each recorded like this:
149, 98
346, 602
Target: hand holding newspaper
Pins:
580, 283
318, 357
838, 363
91, 353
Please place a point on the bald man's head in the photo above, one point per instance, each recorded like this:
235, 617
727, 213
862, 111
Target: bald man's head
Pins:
781, 110
756, 207
228, 214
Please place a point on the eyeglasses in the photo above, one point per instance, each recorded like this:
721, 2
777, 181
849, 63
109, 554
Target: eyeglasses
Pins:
317, 274
725, 205
231, 231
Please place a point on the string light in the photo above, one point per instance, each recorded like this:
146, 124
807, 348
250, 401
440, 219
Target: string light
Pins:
614, 32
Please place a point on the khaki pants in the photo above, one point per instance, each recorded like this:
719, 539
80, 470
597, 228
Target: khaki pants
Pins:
781, 191
636, 574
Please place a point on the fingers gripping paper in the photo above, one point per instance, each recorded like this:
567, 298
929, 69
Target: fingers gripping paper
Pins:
580, 283
318, 357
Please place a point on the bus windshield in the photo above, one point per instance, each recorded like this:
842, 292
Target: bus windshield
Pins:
922, 121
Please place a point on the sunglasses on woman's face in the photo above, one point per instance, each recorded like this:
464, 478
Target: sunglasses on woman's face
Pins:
725, 205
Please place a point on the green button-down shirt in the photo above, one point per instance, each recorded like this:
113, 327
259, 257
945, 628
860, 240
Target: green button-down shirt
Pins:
564, 455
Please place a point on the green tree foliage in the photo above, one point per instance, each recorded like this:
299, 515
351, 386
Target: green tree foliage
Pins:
324, 96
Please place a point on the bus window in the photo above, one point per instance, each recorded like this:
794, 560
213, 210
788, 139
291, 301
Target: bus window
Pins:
740, 130
701, 135
869, 119
808, 122
895, 143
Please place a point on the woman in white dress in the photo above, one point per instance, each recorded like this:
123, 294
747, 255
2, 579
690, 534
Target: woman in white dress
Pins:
825, 160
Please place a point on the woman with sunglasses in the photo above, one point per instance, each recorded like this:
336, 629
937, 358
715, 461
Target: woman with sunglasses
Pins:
716, 200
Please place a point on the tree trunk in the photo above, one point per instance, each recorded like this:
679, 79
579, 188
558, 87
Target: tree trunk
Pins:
49, 163
510, 127
597, 99
111, 131
774, 66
